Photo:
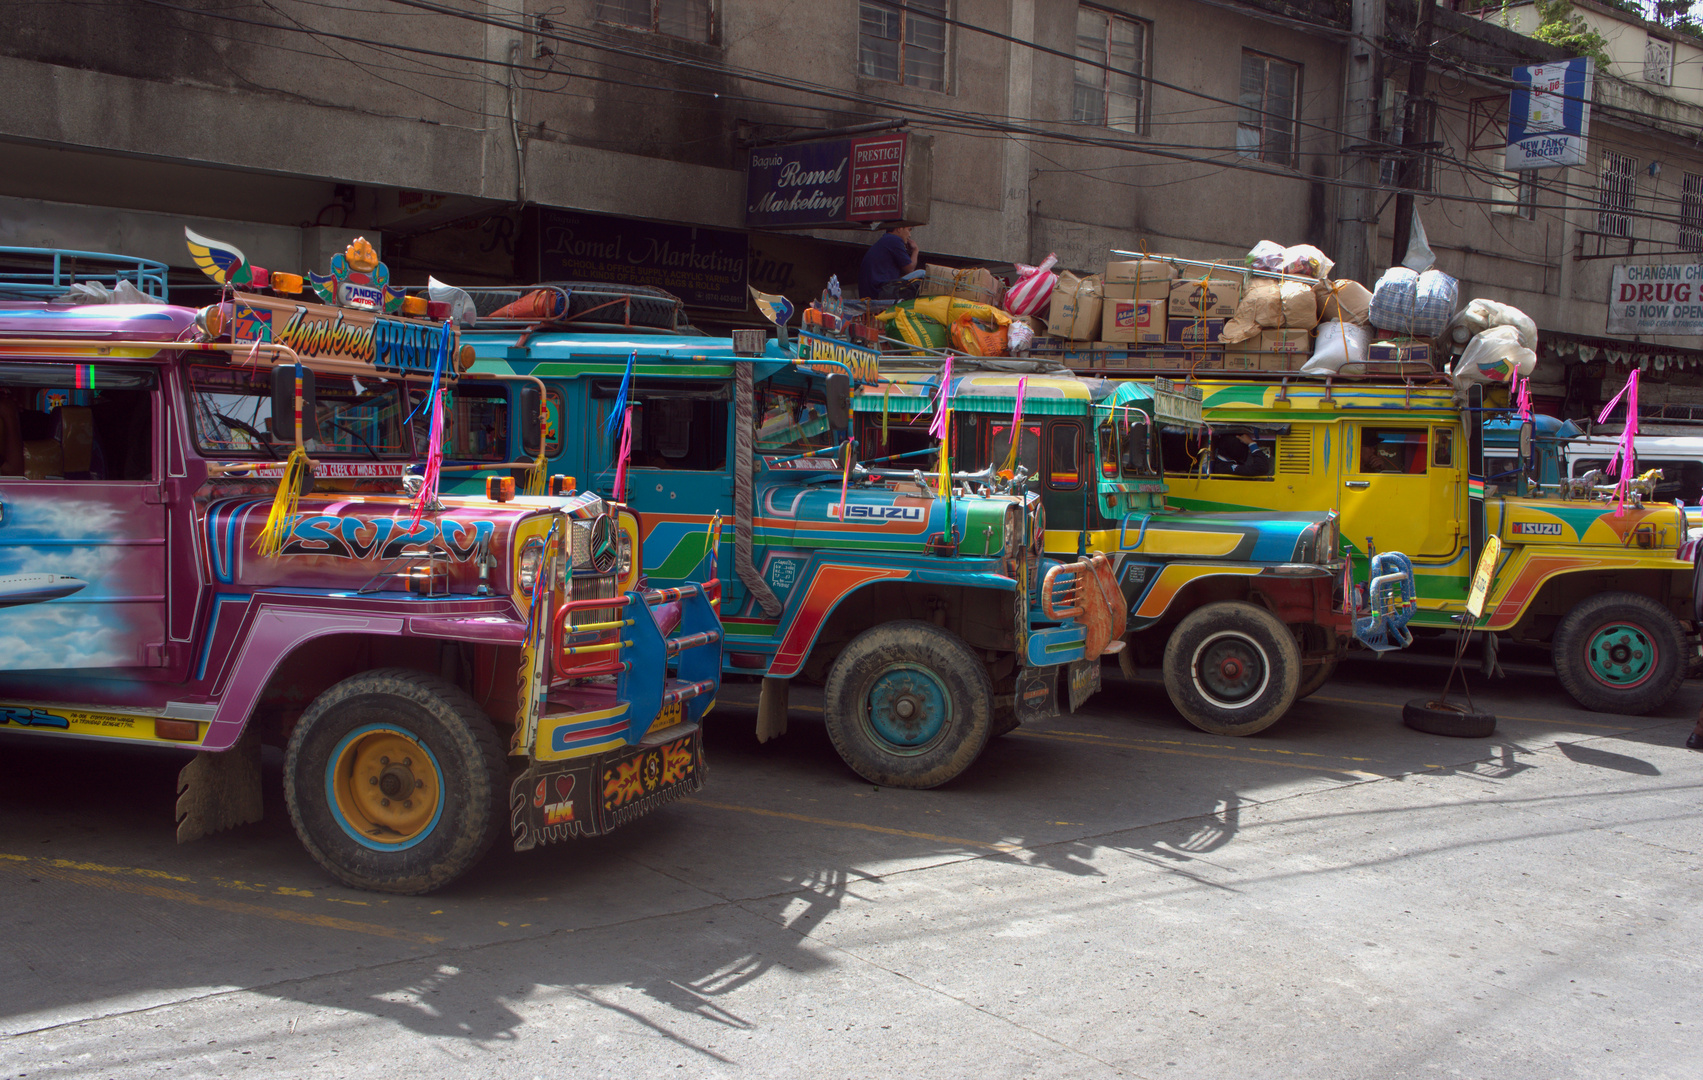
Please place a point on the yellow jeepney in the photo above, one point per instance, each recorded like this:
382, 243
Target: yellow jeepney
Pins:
1607, 590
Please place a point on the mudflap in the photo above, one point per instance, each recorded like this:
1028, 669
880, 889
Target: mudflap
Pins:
552, 801
1037, 693
1084, 679
220, 790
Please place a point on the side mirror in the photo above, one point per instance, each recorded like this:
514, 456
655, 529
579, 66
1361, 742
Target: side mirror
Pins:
531, 428
1135, 452
1526, 440
839, 401
283, 419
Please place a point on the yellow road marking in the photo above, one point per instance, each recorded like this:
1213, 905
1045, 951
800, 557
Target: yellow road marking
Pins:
1499, 716
854, 825
1362, 774
61, 870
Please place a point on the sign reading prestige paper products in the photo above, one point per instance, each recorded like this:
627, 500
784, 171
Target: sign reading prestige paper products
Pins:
1663, 299
835, 182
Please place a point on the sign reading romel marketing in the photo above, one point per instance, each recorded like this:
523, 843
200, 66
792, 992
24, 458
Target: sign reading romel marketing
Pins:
838, 182
1549, 114
1661, 299
704, 267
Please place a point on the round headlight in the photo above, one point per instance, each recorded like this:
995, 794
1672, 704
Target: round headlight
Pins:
531, 558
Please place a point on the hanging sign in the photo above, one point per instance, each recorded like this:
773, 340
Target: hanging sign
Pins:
827, 355
1660, 299
1549, 114
320, 332
839, 183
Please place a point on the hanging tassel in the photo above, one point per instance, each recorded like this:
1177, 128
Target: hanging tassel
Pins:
1010, 466
619, 409
281, 519
845, 477
536, 475
621, 455
886, 393
1625, 460
941, 427
434, 439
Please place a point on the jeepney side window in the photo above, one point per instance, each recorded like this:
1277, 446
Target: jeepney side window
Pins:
77, 421
1108, 451
1392, 450
1443, 448
678, 424
1064, 458
1028, 446
1184, 453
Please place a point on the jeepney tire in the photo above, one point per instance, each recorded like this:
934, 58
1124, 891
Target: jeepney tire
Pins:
947, 686
1586, 635
465, 762
1454, 721
1314, 676
1259, 668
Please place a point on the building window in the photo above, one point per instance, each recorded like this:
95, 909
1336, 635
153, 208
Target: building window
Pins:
1511, 191
1265, 126
1109, 90
1614, 199
903, 43
1691, 212
688, 19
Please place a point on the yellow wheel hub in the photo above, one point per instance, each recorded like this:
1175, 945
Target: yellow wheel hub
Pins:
387, 786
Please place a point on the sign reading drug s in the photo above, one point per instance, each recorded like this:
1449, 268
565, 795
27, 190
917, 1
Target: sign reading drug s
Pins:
1660, 299
1549, 114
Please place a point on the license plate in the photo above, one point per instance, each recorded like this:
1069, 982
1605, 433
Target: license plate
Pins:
554, 801
1084, 681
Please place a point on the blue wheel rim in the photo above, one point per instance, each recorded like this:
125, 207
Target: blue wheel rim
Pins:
908, 708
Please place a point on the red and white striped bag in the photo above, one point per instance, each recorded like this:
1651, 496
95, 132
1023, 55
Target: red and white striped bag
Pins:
1034, 287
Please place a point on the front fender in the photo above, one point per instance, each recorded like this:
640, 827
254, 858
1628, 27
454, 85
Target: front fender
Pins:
829, 585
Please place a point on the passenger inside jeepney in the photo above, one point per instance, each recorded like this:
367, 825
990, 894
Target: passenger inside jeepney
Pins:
1239, 453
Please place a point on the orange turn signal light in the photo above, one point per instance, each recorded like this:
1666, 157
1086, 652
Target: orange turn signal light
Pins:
499, 488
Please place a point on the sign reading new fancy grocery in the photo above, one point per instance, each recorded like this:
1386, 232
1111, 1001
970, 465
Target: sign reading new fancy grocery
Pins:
839, 183
1660, 299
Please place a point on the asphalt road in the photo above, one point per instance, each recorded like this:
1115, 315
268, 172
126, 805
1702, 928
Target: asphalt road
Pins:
1106, 894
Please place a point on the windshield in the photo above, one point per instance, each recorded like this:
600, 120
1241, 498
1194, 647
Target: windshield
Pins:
475, 422
357, 417
792, 422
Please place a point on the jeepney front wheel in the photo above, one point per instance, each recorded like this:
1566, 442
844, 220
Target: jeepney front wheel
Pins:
1619, 652
395, 781
1232, 668
1314, 676
908, 705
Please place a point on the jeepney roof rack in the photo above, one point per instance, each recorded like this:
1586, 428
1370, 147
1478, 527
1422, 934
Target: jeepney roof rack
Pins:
31, 273
589, 306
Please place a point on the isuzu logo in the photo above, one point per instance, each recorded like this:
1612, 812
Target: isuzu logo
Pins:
861, 512
1537, 528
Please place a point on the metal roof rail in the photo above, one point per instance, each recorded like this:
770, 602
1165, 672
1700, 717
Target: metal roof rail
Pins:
30, 273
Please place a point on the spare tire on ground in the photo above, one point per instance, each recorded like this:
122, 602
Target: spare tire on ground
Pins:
1447, 718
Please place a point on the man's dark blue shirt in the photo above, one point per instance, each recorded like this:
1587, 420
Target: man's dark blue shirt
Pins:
885, 261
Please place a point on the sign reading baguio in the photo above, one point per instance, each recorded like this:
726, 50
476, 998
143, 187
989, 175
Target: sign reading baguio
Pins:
1656, 300
1549, 114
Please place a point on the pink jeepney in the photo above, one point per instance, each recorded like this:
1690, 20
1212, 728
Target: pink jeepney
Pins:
438, 670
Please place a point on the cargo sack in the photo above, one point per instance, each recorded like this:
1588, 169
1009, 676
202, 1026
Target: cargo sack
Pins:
1493, 357
977, 337
1075, 309
1416, 305
926, 321
1344, 300
1480, 315
1338, 343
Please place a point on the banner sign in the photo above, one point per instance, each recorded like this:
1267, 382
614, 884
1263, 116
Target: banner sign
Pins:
704, 267
1660, 299
835, 182
1482, 577
318, 332
828, 355
1549, 114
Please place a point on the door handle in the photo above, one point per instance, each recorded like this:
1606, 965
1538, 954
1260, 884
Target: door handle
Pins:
1357, 483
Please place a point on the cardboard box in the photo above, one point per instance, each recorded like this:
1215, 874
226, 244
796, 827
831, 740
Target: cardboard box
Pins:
1241, 361
1399, 350
974, 284
1246, 345
1218, 300
1140, 279
1343, 299
1132, 321
1193, 331
1280, 361
1075, 310
1297, 342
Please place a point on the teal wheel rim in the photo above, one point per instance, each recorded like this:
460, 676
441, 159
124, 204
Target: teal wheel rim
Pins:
1621, 655
908, 708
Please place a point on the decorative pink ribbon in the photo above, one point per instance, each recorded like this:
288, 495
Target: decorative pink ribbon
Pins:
622, 455
1625, 459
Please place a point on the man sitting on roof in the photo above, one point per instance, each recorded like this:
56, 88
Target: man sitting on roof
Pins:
889, 261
